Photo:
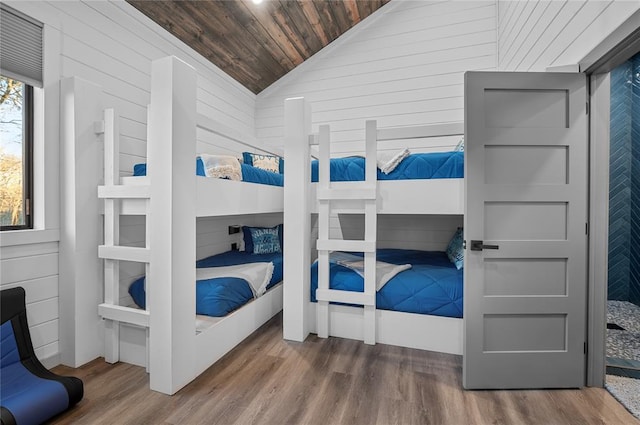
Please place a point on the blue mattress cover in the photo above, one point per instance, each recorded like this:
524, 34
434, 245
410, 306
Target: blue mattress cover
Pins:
29, 398
215, 297
250, 174
434, 165
220, 296
432, 285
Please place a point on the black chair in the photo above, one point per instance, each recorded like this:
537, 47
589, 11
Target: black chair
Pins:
29, 393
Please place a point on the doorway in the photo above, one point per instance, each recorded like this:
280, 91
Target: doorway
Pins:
623, 283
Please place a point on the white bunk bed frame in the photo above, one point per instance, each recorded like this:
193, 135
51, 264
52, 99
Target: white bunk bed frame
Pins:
371, 197
171, 197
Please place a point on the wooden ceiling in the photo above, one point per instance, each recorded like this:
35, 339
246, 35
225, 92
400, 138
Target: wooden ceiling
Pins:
257, 44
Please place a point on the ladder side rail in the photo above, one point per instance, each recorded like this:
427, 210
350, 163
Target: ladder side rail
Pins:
111, 233
370, 231
147, 245
324, 210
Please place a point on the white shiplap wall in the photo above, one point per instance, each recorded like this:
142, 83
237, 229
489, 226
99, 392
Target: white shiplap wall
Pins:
534, 35
404, 65
110, 44
35, 268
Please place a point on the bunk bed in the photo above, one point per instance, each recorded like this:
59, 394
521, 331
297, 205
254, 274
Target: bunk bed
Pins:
179, 344
314, 305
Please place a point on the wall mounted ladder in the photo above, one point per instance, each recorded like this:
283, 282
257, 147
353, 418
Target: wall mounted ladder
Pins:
362, 199
112, 252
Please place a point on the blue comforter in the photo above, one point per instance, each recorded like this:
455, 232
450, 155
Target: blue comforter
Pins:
435, 165
250, 174
432, 285
220, 296
215, 297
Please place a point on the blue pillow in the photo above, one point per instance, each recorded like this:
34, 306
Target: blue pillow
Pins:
455, 252
266, 162
263, 240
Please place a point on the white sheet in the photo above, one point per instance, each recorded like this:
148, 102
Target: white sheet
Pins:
257, 274
384, 271
388, 161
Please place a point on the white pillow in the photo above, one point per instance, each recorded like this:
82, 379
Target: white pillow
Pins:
221, 166
269, 163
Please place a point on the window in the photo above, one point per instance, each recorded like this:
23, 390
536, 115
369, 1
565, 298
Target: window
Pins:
16, 147
20, 72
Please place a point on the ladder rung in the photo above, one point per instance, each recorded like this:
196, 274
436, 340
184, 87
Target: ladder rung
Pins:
119, 313
124, 192
124, 253
342, 245
353, 194
347, 297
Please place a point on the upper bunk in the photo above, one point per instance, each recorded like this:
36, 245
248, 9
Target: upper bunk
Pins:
429, 179
261, 192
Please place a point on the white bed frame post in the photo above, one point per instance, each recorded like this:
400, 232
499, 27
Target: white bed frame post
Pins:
80, 288
324, 211
111, 233
171, 279
297, 235
370, 230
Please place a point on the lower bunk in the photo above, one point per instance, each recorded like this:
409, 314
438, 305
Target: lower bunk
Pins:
419, 306
236, 293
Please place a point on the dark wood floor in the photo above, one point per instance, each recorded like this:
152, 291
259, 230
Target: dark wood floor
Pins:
267, 380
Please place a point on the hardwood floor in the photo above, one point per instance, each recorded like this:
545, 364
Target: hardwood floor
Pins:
266, 380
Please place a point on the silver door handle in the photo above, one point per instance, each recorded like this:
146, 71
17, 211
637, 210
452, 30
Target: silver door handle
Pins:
479, 246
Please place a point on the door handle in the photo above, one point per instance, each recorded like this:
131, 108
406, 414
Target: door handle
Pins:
479, 246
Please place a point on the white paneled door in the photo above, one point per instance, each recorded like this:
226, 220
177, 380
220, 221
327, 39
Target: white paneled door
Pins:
525, 280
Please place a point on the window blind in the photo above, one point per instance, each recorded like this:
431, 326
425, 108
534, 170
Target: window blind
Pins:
20, 47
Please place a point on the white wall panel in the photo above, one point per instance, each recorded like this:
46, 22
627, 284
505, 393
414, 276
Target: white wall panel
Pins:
402, 66
534, 35
35, 268
423, 232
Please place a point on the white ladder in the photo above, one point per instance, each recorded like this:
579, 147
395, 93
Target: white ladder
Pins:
113, 192
361, 192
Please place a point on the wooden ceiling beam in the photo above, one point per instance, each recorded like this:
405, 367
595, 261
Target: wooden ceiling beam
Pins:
340, 14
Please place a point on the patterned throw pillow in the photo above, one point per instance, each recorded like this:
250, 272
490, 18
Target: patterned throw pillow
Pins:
271, 163
265, 240
455, 252
248, 238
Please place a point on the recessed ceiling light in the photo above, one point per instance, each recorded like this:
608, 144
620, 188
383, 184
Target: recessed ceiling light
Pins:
257, 1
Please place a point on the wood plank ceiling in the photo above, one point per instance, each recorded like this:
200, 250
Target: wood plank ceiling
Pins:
257, 43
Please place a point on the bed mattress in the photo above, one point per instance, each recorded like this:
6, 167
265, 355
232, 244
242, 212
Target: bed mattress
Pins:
220, 296
250, 174
431, 286
215, 297
434, 165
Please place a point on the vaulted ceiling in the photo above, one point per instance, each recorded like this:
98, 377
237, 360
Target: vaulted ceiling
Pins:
257, 43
